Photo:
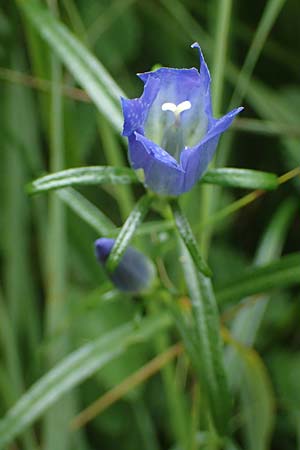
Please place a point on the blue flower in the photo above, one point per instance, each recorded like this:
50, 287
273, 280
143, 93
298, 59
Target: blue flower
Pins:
171, 131
134, 273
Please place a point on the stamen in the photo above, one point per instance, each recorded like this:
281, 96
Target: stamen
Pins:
169, 107
176, 109
183, 106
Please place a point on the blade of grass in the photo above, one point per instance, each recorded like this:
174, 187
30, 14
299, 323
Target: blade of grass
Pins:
128, 230
114, 157
86, 211
187, 236
279, 274
207, 341
74, 369
246, 323
55, 434
119, 391
13, 368
267, 20
241, 178
85, 68
94, 175
222, 25
257, 396
207, 346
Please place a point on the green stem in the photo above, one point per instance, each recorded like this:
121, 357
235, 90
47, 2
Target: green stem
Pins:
128, 230
114, 157
220, 52
208, 193
205, 330
57, 418
177, 410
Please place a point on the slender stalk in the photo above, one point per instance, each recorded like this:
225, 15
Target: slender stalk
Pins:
218, 79
114, 157
220, 53
57, 418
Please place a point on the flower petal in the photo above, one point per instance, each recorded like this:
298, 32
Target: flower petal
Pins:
195, 160
136, 110
200, 116
162, 172
176, 86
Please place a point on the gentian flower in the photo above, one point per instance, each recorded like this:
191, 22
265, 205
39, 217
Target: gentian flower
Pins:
171, 131
135, 271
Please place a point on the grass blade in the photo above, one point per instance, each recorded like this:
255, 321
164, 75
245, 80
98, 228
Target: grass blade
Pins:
87, 211
74, 369
92, 175
129, 228
85, 68
207, 345
279, 274
188, 238
241, 178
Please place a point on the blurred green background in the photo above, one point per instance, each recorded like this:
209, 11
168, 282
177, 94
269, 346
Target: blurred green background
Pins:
54, 297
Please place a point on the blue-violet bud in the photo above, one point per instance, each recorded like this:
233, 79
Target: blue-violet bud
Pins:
135, 271
171, 131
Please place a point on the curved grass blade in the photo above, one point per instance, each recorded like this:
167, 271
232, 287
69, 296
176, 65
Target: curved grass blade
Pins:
85, 68
279, 274
267, 20
188, 238
241, 178
87, 211
246, 323
206, 351
92, 175
257, 395
74, 369
127, 231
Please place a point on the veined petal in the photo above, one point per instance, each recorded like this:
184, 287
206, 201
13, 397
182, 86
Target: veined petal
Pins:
176, 86
195, 160
136, 110
157, 152
221, 125
173, 118
202, 103
162, 172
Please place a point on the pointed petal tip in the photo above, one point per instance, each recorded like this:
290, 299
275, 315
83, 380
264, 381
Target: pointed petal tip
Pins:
195, 45
236, 111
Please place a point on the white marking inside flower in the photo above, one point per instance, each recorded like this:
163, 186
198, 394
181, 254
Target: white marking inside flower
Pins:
176, 109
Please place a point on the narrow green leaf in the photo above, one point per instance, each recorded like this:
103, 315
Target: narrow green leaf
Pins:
87, 211
127, 231
279, 274
188, 238
85, 68
246, 323
206, 352
92, 175
257, 403
221, 18
267, 20
74, 369
241, 178
114, 156
256, 395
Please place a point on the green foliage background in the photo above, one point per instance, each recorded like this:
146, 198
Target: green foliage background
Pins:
60, 109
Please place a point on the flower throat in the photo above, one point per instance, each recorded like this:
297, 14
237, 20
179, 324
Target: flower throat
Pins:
172, 140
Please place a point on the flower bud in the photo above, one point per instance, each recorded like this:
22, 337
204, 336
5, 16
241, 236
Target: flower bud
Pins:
135, 271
